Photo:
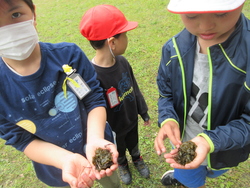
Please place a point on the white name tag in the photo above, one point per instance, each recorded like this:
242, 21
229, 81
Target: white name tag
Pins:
81, 91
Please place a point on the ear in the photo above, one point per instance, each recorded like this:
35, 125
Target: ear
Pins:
111, 42
35, 15
34, 9
35, 22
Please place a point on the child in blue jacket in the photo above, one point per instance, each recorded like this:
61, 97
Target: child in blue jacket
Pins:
204, 86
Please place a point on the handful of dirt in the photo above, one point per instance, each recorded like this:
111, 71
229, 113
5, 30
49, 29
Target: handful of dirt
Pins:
102, 159
186, 153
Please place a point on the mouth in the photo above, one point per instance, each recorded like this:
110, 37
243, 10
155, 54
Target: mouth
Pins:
207, 36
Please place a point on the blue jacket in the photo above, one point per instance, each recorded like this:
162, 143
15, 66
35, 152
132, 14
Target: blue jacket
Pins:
228, 131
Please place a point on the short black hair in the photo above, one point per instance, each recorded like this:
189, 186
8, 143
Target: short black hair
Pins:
98, 44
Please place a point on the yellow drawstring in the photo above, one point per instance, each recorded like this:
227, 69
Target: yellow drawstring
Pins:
68, 69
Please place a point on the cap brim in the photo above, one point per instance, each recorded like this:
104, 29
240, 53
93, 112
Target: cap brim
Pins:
200, 11
129, 26
194, 6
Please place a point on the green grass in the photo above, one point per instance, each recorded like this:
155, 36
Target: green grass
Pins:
58, 21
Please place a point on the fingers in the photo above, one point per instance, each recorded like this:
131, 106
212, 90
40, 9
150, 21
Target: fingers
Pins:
147, 123
174, 135
72, 181
115, 154
201, 152
159, 143
107, 172
192, 165
91, 148
98, 176
104, 173
170, 159
113, 150
170, 130
86, 181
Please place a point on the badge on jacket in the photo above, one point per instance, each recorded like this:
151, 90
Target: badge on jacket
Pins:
112, 96
75, 82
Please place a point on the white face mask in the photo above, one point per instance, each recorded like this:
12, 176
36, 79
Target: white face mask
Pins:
17, 41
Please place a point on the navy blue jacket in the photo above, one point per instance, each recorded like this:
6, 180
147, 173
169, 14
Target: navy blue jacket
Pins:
228, 95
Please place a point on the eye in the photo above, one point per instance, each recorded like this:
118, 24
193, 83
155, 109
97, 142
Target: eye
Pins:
16, 15
221, 15
191, 16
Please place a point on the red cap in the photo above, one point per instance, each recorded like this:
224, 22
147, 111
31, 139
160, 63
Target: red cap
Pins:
104, 21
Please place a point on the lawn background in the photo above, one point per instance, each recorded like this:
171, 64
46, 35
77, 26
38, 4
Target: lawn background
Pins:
58, 21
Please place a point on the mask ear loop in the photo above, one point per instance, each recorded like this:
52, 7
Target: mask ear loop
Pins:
111, 50
33, 19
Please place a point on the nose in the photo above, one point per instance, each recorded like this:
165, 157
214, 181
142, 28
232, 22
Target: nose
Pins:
207, 23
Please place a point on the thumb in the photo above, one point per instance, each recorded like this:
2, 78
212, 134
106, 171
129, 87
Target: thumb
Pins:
71, 180
73, 183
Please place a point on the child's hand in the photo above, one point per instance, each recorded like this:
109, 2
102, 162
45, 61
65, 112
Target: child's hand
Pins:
202, 150
169, 130
147, 123
90, 152
77, 172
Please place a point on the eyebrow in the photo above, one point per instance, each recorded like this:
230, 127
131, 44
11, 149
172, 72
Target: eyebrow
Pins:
14, 8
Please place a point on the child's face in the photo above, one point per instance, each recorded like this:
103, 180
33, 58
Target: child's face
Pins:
18, 11
212, 28
121, 44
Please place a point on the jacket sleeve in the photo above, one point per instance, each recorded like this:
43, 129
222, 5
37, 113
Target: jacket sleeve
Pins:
15, 135
165, 102
236, 133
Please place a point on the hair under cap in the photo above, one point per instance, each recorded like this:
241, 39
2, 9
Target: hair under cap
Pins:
104, 21
203, 6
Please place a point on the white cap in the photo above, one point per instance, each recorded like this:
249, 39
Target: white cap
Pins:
203, 6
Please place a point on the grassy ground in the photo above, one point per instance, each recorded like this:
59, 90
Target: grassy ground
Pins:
58, 21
